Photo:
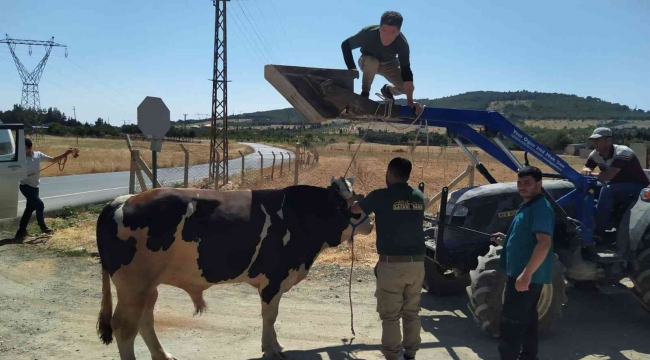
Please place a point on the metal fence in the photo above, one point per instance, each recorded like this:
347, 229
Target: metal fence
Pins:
181, 166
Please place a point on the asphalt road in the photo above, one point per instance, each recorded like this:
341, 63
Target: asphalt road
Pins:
59, 191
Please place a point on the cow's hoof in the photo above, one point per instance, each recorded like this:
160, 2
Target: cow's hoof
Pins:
279, 346
168, 356
274, 355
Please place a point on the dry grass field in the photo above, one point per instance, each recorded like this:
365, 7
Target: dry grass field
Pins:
109, 155
368, 168
561, 124
577, 124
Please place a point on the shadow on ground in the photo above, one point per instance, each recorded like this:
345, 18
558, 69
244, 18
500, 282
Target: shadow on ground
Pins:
32, 241
593, 326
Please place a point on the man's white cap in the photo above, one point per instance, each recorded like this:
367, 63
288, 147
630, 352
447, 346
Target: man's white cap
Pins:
600, 132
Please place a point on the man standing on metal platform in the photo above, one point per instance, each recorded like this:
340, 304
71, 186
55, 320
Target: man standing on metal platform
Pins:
381, 45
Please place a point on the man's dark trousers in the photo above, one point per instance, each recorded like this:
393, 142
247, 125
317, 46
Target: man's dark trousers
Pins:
33, 203
518, 340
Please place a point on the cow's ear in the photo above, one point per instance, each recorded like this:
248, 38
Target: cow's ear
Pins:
333, 180
351, 181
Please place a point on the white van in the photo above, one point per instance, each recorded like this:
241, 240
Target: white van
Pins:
12, 167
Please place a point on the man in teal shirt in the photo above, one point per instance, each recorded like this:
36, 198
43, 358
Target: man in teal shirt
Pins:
527, 259
399, 215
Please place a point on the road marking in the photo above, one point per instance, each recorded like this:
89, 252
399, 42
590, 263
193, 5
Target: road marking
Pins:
79, 193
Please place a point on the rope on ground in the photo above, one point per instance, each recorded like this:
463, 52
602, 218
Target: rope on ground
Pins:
350, 290
387, 112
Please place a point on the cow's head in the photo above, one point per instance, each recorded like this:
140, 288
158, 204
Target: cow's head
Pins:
342, 193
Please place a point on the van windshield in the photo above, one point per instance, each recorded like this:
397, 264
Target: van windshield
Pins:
7, 145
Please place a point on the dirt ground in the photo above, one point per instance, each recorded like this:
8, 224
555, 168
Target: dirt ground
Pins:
50, 304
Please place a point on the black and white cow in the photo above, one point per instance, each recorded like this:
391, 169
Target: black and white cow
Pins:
193, 239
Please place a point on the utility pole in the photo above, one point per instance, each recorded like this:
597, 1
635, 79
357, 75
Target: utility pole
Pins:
219, 136
31, 98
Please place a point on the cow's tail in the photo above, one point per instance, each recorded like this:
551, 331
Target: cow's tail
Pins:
104, 329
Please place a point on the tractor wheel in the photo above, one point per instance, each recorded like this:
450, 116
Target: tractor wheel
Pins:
487, 291
442, 282
641, 275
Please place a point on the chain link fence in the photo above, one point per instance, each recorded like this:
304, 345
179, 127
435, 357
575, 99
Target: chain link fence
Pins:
181, 166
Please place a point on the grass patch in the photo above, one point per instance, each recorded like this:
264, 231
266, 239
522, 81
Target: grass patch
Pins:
111, 155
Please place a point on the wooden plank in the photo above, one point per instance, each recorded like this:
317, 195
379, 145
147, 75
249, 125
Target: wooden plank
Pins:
454, 182
143, 185
186, 174
146, 170
133, 167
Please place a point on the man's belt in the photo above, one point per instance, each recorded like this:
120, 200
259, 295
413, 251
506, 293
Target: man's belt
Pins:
393, 259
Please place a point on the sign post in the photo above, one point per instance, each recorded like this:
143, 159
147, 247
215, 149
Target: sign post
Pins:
154, 121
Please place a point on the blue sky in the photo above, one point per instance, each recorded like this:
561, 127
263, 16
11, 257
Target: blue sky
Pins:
122, 51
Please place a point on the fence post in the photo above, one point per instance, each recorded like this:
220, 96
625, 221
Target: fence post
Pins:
281, 162
186, 174
297, 164
242, 166
471, 175
133, 168
143, 185
289, 154
261, 164
273, 166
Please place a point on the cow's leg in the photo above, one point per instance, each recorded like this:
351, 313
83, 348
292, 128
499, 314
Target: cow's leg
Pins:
270, 346
148, 332
126, 318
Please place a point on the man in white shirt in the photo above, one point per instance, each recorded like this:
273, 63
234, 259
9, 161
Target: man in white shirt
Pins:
29, 187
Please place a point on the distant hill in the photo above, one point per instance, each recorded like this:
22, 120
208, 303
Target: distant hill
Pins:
514, 105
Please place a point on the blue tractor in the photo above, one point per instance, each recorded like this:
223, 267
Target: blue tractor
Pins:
460, 255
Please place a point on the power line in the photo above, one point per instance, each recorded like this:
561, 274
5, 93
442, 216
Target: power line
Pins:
262, 32
254, 46
256, 33
267, 24
253, 43
31, 95
283, 29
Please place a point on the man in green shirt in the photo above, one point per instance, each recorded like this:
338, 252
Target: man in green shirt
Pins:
399, 215
380, 44
527, 258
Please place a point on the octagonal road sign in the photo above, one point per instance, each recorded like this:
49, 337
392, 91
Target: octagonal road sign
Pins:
153, 117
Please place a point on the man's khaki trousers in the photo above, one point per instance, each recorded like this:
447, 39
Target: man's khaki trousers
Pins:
370, 67
399, 285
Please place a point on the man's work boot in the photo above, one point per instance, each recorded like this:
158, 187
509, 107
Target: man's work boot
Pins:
21, 234
385, 91
46, 230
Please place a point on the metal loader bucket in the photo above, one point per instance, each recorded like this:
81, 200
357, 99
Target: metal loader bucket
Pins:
320, 94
